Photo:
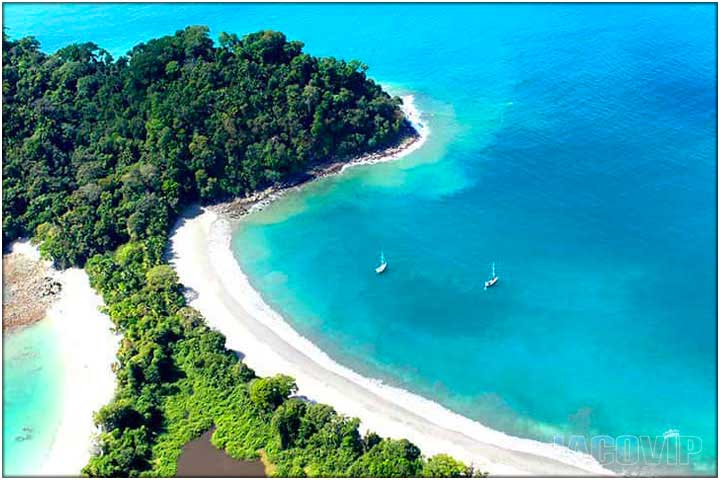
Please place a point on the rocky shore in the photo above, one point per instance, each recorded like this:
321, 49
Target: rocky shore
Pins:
259, 200
29, 288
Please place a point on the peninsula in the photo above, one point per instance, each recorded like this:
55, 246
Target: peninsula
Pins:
100, 158
193, 223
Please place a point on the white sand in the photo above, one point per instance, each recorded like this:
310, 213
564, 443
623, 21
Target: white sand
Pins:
88, 348
205, 263
24, 247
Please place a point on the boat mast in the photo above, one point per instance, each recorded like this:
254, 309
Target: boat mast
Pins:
493, 274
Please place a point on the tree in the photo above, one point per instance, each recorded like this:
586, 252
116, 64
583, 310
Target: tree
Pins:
444, 466
269, 393
161, 277
287, 420
389, 458
118, 415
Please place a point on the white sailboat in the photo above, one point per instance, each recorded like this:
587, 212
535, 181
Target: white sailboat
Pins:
383, 264
493, 278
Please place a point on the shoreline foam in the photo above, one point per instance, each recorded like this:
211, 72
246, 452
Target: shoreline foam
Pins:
88, 349
257, 201
205, 263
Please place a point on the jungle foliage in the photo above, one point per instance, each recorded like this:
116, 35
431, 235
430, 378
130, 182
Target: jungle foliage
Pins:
99, 158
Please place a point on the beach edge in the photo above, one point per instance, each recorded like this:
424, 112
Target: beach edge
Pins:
200, 250
88, 348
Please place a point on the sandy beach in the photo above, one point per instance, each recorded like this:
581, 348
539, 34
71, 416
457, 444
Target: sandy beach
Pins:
205, 264
88, 348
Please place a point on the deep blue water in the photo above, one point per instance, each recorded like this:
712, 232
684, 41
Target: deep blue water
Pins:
572, 144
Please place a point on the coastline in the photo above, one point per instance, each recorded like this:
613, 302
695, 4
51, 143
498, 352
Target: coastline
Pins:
88, 349
29, 288
204, 261
242, 206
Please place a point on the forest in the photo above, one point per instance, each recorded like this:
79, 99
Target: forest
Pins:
100, 157
99, 152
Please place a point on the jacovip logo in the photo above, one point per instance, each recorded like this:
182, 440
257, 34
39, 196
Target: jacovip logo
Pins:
670, 448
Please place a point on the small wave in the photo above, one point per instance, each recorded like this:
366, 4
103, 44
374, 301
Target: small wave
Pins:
272, 346
403, 403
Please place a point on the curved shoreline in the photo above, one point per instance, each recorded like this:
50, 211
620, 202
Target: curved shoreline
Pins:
203, 258
257, 201
87, 347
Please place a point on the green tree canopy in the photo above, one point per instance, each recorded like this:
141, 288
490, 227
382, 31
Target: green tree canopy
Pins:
270, 392
444, 466
99, 158
97, 152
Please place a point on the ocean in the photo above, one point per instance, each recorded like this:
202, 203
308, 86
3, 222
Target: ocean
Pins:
574, 145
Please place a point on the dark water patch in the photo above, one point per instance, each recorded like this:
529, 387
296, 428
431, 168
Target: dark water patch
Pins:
200, 458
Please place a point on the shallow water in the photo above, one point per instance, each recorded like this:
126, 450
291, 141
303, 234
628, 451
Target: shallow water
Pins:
31, 394
573, 145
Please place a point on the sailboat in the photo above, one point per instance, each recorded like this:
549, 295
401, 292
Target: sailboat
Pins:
493, 278
383, 264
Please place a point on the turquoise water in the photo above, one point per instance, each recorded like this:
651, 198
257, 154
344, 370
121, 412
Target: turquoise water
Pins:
31, 386
574, 145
